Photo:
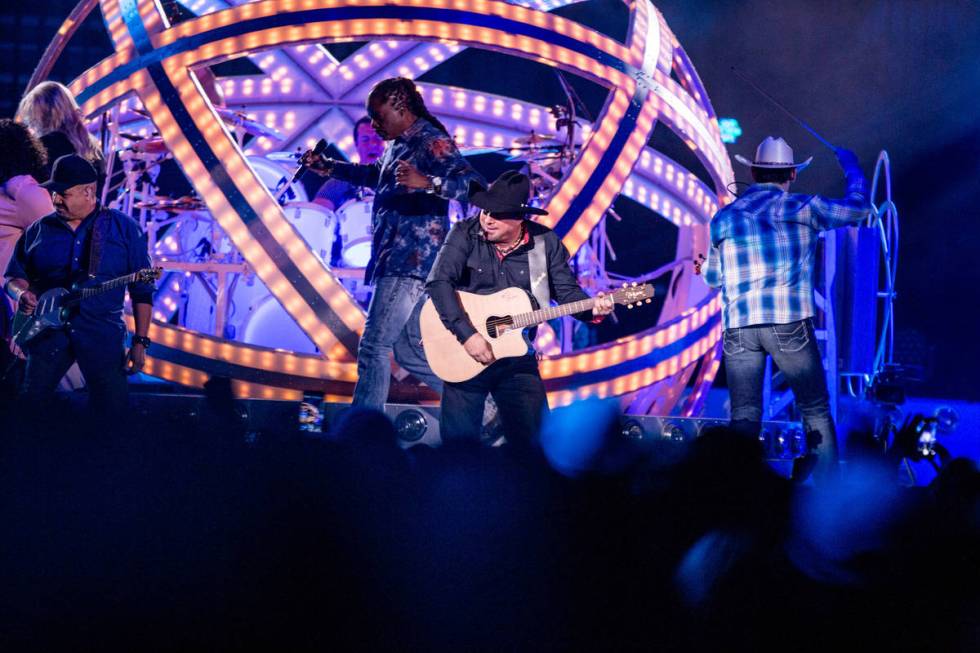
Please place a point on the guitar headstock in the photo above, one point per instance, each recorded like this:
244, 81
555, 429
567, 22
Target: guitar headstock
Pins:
148, 275
633, 294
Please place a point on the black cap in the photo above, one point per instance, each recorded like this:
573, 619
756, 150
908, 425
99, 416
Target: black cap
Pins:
70, 170
507, 195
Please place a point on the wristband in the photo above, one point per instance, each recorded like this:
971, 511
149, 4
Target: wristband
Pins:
142, 340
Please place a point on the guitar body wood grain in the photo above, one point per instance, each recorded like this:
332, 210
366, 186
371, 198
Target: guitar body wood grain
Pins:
446, 355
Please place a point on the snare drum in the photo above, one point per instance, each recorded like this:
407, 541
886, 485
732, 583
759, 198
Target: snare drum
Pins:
356, 232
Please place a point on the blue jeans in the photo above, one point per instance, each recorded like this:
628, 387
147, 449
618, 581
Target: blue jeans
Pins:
101, 361
408, 349
794, 350
391, 306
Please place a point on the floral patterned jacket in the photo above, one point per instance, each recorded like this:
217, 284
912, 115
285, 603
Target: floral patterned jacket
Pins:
409, 226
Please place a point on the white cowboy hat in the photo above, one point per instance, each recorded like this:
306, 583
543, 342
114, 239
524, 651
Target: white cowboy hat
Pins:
773, 152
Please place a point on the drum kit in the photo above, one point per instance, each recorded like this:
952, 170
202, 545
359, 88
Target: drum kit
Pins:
208, 286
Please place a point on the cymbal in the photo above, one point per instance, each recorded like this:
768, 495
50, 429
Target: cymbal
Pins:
473, 150
534, 138
535, 156
249, 126
288, 157
161, 203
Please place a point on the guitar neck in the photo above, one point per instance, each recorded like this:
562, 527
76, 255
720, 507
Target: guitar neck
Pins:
106, 286
552, 312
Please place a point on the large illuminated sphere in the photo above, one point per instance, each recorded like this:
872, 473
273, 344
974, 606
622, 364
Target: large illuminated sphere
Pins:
306, 93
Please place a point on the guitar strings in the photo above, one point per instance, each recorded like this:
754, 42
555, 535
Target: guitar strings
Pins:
498, 321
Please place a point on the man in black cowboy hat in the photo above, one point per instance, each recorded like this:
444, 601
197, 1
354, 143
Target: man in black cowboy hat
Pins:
81, 244
500, 249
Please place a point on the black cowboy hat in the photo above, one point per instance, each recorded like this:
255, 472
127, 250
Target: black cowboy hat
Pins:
507, 196
70, 170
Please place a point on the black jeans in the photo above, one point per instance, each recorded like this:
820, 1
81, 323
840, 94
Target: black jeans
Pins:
794, 350
516, 387
101, 362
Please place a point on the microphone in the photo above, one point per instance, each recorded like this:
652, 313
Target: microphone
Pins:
318, 149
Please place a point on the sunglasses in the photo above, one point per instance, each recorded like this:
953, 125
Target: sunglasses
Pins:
504, 216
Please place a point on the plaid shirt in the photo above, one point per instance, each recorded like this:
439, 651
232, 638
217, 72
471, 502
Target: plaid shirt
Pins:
409, 227
763, 246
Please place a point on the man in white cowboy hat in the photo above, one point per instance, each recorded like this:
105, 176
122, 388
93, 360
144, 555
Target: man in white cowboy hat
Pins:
761, 256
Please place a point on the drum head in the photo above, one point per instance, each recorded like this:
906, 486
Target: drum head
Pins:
272, 173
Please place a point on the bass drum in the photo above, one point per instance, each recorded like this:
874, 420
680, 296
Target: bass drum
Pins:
269, 325
273, 173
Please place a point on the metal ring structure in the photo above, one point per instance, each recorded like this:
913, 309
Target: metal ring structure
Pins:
153, 65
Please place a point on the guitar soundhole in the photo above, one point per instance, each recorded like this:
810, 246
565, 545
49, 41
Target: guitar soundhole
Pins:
498, 325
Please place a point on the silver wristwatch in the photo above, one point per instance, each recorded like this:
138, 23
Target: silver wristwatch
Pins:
435, 185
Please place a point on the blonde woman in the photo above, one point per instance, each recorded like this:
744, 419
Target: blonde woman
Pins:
50, 110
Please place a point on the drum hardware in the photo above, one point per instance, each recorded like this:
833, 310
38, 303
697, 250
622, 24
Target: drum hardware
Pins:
220, 296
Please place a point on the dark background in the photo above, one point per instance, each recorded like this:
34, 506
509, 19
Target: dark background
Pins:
898, 75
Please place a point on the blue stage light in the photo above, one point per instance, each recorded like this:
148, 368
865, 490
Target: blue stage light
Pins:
730, 129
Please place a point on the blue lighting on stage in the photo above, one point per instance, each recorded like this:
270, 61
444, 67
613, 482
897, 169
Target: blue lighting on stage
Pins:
730, 129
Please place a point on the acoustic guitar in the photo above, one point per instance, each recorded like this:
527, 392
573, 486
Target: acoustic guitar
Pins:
501, 318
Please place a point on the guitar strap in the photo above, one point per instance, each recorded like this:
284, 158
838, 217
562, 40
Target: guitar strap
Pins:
100, 230
537, 263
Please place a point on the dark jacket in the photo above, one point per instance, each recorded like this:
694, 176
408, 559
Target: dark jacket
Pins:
410, 226
469, 263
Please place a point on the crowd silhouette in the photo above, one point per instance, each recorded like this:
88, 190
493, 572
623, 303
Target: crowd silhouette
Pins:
195, 532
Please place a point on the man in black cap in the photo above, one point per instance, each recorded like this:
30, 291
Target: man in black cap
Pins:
500, 249
82, 244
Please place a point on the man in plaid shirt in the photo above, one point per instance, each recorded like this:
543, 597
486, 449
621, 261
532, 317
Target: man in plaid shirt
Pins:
762, 250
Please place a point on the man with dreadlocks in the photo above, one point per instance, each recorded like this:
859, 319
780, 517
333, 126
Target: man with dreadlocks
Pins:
420, 171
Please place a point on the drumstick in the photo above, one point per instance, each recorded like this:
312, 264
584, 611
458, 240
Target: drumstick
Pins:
799, 121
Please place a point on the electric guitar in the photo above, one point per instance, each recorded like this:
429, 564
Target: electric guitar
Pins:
54, 306
501, 318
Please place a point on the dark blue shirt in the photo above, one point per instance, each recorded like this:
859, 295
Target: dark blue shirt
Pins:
50, 255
